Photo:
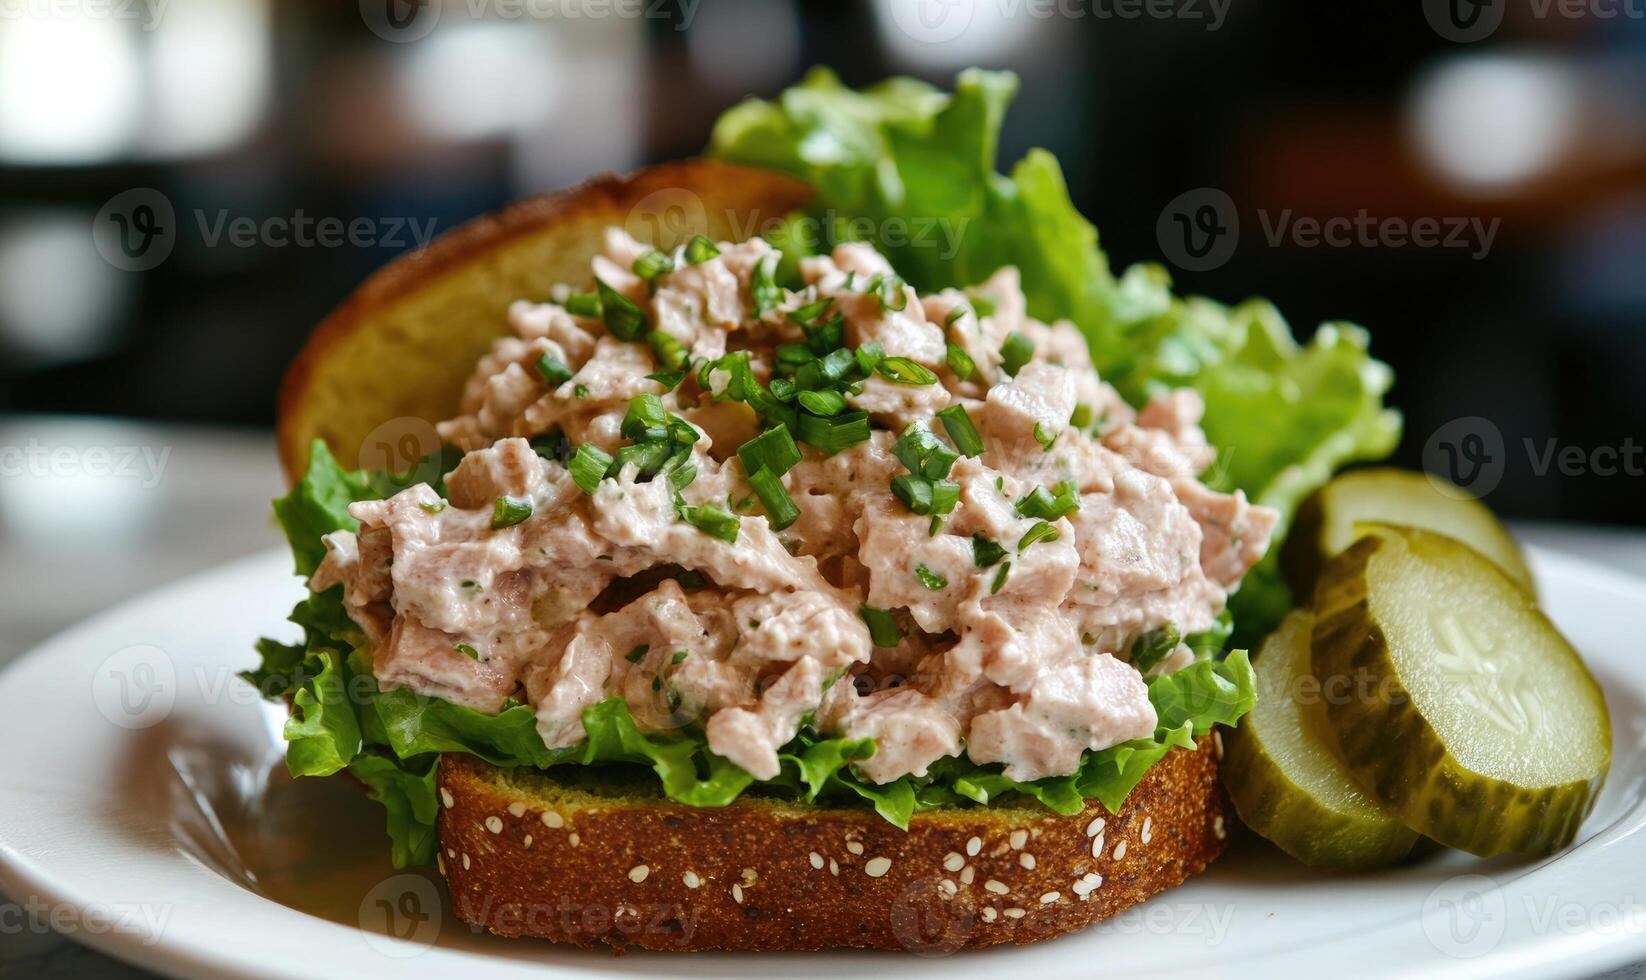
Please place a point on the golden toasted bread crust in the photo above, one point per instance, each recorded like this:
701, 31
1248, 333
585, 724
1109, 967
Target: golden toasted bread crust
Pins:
391, 360
765, 875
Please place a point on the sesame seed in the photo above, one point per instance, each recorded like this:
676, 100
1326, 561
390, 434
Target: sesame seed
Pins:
451, 853
1148, 830
1027, 860
1050, 897
517, 809
1081, 889
816, 859
1217, 828
737, 894
553, 820
494, 824
967, 874
1217, 741
1095, 827
465, 861
952, 861
690, 879
973, 846
877, 867
446, 797
856, 847
440, 863
573, 839
989, 915
638, 873
749, 876
1097, 846
1018, 839
947, 887
834, 867
995, 886
1015, 913
527, 842
1120, 850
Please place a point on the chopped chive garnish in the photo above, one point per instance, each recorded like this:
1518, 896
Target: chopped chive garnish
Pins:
679, 656
681, 477
923, 453
922, 496
1152, 647
553, 370
1000, 578
589, 466
962, 432
668, 350
432, 507
622, 317
700, 250
985, 552
954, 315
653, 264
673, 698
1041, 531
790, 357
509, 511
904, 371
772, 450
834, 434
1015, 352
935, 526
883, 631
646, 418
646, 457
780, 507
467, 651
783, 389
583, 304
1047, 505
670, 380
581, 391
869, 357
982, 304
1081, 416
826, 336
763, 284
712, 521
929, 578
804, 316
888, 290
960, 362
1043, 437
637, 654
823, 402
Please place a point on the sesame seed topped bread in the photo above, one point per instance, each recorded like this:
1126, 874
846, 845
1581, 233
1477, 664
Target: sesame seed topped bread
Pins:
586, 857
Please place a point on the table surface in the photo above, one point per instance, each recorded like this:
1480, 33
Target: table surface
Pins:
94, 511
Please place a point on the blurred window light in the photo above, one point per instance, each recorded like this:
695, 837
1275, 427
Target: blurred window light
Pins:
1491, 122
210, 68
745, 46
70, 87
956, 33
472, 80
604, 108
59, 301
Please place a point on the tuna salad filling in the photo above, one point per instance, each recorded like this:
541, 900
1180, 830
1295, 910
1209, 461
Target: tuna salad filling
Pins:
844, 510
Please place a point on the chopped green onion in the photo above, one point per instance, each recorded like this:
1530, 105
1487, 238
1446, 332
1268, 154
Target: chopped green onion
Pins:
681, 477
1000, 578
869, 357
929, 578
700, 250
589, 466
783, 389
668, 350
647, 457
637, 654
763, 284
904, 371
985, 552
653, 264
834, 434
954, 315
922, 496
712, 521
826, 336
645, 419
509, 511
1046, 506
982, 304
679, 656
923, 453
622, 317
467, 651
1081, 416
962, 432
1041, 531
552, 445
1043, 437
888, 289
959, 362
935, 526
780, 507
1152, 647
790, 357
804, 316
670, 380
433, 507
883, 631
826, 371
553, 370
581, 391
823, 402
772, 450
1015, 352
583, 304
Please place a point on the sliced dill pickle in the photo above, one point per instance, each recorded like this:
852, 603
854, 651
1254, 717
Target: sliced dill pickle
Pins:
1326, 522
1452, 700
1284, 778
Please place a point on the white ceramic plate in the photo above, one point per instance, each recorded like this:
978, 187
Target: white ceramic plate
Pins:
145, 809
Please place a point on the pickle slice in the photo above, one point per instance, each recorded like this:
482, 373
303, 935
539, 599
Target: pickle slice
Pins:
1454, 701
1326, 522
1285, 781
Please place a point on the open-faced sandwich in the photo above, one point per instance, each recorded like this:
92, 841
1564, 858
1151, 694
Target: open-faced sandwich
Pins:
736, 562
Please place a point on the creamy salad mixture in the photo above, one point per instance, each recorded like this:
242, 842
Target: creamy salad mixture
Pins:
919, 519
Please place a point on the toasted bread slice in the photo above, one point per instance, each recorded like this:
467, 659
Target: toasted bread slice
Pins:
391, 361
584, 857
